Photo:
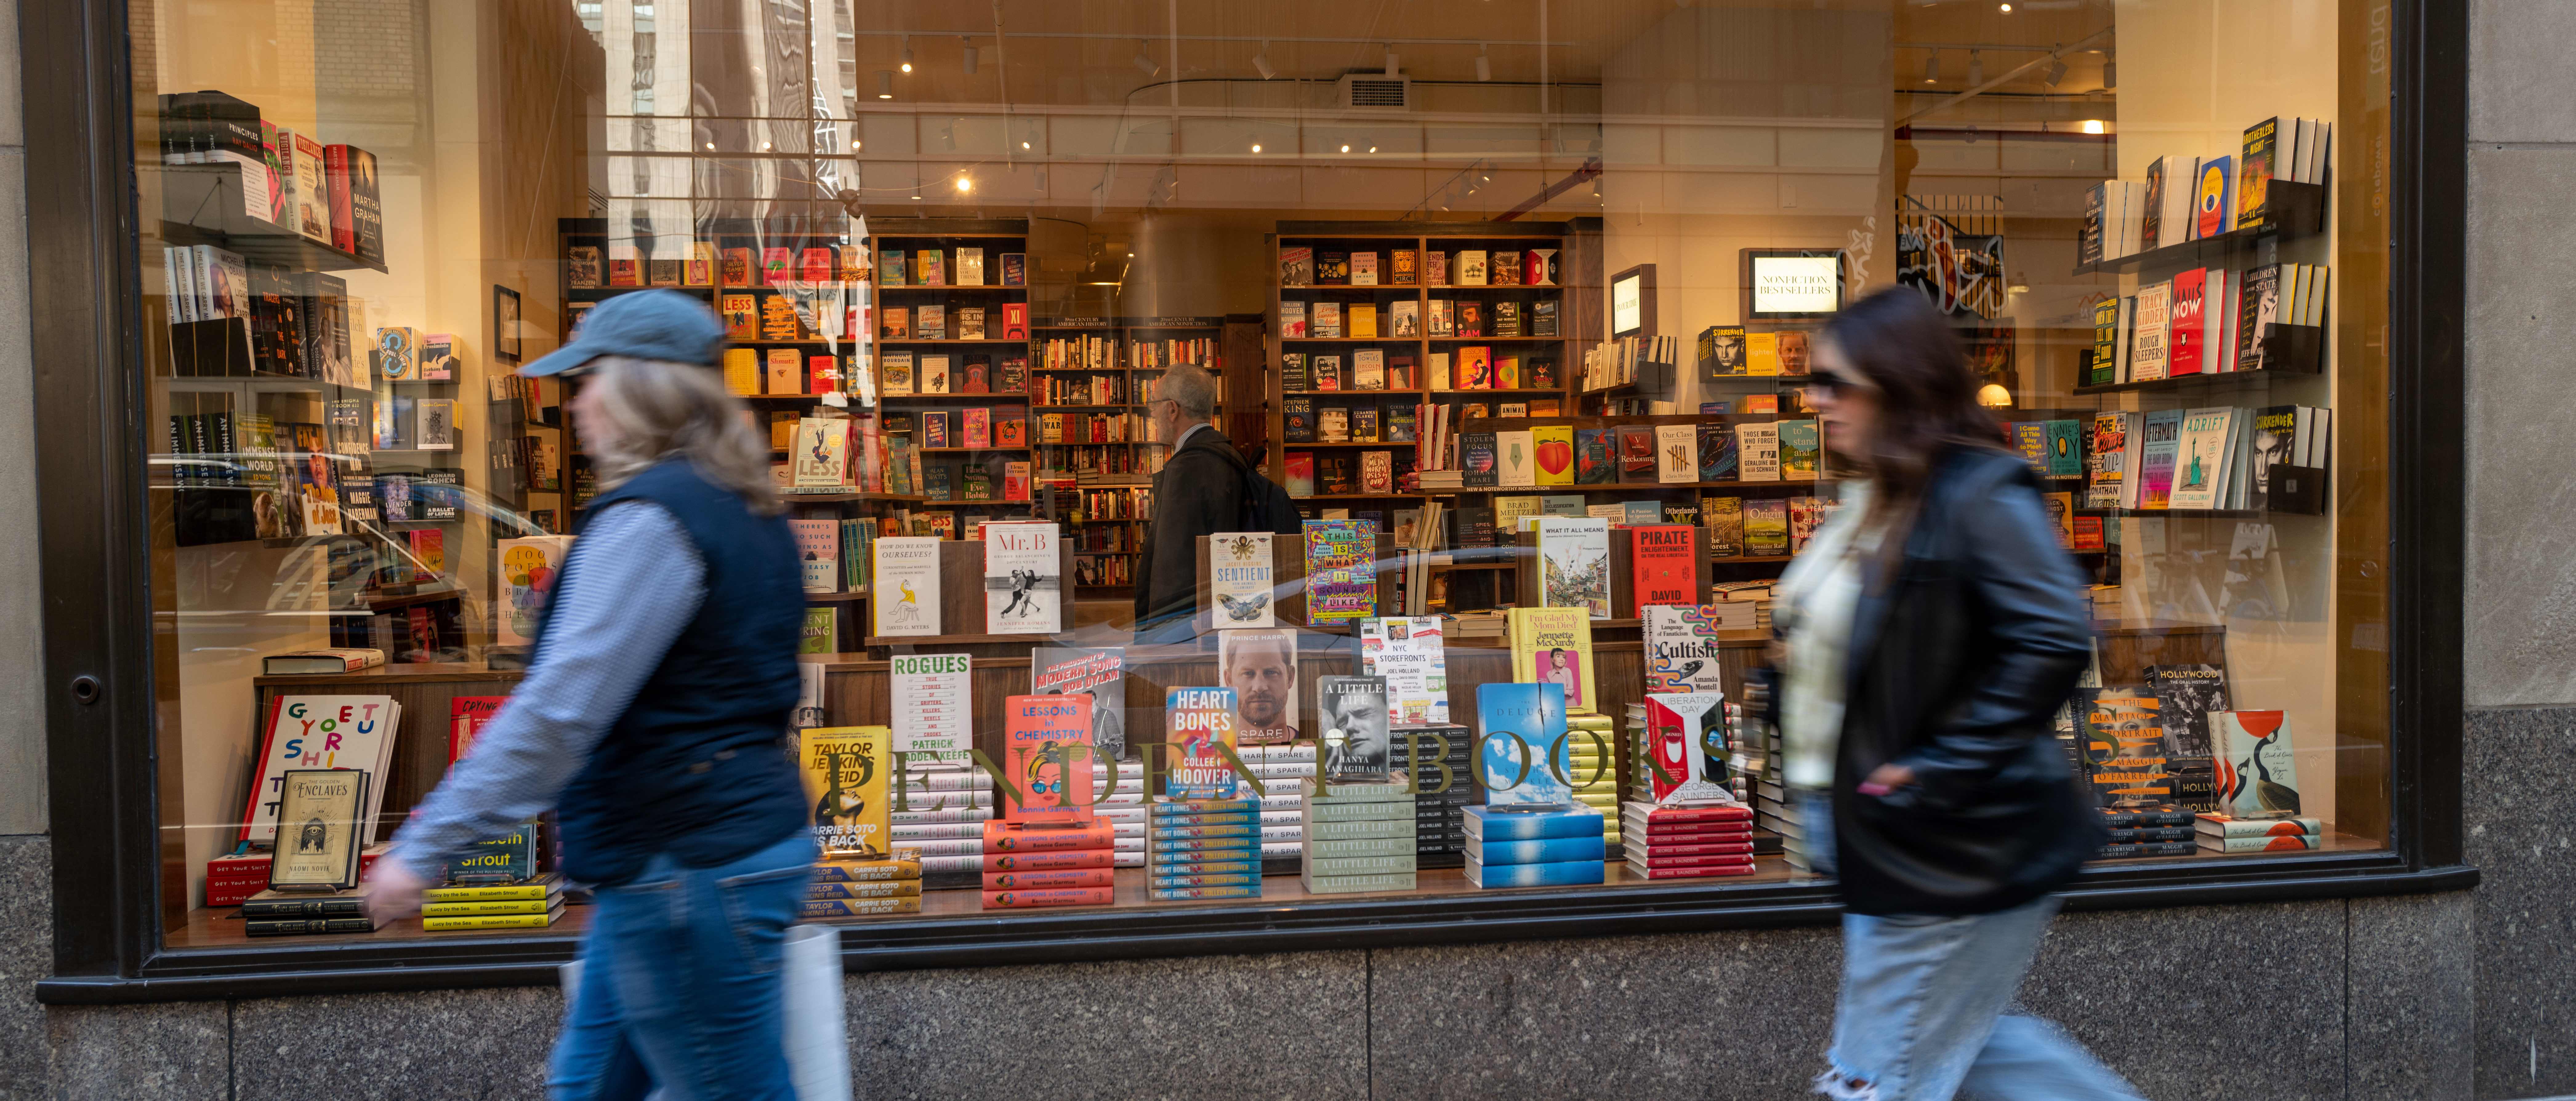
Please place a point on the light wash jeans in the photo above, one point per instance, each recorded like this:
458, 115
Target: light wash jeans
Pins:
680, 983
1921, 1016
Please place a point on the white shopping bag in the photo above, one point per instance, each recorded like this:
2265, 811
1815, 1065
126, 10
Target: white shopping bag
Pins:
817, 1037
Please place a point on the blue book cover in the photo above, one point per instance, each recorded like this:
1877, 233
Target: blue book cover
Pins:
1716, 453
1489, 825
1544, 850
1519, 727
1559, 874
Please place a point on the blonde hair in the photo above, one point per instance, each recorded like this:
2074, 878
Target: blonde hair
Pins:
663, 409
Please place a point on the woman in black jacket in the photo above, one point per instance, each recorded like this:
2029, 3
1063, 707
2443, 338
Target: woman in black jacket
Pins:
1928, 635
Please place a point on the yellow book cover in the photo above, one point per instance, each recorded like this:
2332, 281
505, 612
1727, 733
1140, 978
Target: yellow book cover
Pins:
865, 888
1507, 372
1554, 646
822, 453
1762, 353
845, 776
742, 371
1361, 317
700, 271
486, 906
1555, 454
1508, 513
538, 888
857, 907
492, 921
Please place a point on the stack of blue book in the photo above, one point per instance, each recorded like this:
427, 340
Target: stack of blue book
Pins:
1509, 847
1203, 848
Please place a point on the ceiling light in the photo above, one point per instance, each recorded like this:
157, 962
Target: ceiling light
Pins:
965, 184
2094, 126
1144, 64
1932, 68
1261, 61
907, 53
1977, 63
2007, 8
885, 84
764, 147
1346, 149
1256, 147
1484, 65
711, 145
854, 145
2056, 72
970, 54
1024, 145
1390, 59
1372, 149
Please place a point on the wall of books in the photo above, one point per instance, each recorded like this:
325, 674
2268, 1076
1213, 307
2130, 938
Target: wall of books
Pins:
1522, 325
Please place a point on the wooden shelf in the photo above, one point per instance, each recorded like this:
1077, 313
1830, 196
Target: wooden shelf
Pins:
961, 450
836, 598
2179, 382
1363, 393
1494, 339
988, 341
2290, 210
945, 286
1008, 399
1355, 496
1620, 487
1352, 443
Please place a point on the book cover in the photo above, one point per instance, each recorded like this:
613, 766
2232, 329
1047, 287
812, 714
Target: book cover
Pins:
1097, 672
320, 732
1663, 567
1015, 269
2257, 772
1758, 451
1766, 527
1046, 766
1552, 448
2065, 448
1023, 582
1441, 321
1636, 444
904, 592
1377, 472
818, 551
1341, 579
845, 770
1200, 721
1260, 666
2201, 458
2213, 204
1592, 459
2107, 461
2150, 350
2254, 171
1521, 746
2258, 304
1574, 564
1476, 459
699, 270
2185, 697
1516, 459
1299, 470
1474, 368
1239, 577
821, 458
1357, 737
2159, 445
1716, 452
1681, 647
2124, 751
1676, 453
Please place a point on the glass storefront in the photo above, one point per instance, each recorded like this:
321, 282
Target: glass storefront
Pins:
1515, 299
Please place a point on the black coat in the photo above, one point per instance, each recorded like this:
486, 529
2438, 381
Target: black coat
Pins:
1957, 670
1198, 492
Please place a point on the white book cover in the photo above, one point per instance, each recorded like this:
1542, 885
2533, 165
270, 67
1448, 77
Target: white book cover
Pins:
526, 576
2218, 322
1440, 371
1023, 579
903, 585
435, 427
933, 703
2147, 359
1681, 648
2302, 132
818, 552
1757, 452
970, 268
1574, 564
1514, 459
1676, 453
2320, 152
2200, 458
311, 199
1404, 319
1239, 577
2257, 773
2182, 186
1409, 653
1368, 369
933, 375
321, 732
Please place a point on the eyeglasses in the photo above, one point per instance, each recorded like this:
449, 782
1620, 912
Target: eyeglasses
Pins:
1836, 383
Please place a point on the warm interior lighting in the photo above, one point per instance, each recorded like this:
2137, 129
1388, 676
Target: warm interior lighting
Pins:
964, 184
885, 86
907, 53
2093, 126
1993, 396
1256, 147
1484, 65
1932, 68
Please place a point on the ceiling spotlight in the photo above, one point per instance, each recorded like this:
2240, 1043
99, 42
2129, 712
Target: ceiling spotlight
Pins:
2095, 126
1372, 149
1144, 64
764, 147
1261, 61
2007, 8
1977, 64
907, 53
2110, 74
1256, 147
885, 84
1346, 149
1484, 65
2056, 72
970, 55
1390, 59
1932, 68
854, 145
964, 184
711, 145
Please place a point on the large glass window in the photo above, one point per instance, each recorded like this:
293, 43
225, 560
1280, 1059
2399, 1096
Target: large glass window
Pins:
1515, 299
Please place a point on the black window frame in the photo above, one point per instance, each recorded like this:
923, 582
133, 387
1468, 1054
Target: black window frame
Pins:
100, 667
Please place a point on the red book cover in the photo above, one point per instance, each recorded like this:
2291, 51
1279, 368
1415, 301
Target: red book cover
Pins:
2088, 533
1691, 833
777, 266
1059, 860
742, 317
1664, 569
1046, 763
822, 374
1692, 871
1048, 879
1658, 859
1021, 837
1661, 815
818, 265
1011, 431
2184, 352
1061, 896
1015, 321
466, 717
737, 267
344, 218
1667, 737
1725, 850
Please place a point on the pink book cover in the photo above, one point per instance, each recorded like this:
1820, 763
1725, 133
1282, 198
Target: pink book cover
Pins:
979, 428
777, 265
1046, 761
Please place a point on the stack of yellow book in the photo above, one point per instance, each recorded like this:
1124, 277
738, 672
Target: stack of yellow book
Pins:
532, 903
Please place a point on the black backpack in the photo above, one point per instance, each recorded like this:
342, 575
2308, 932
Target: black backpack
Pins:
1266, 504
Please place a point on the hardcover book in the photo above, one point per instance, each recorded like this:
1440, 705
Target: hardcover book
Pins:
1592, 458
1574, 564
1357, 738
1681, 647
1766, 528
904, 594
1023, 582
1239, 578
1758, 451
1521, 757
1553, 450
1716, 452
845, 770
1801, 450
320, 732
1099, 673
2257, 773
1200, 721
1260, 666
1341, 580
1554, 646
1637, 461
1676, 453
1664, 567
1516, 451
1046, 769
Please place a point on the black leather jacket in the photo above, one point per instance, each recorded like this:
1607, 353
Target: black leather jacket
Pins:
1957, 669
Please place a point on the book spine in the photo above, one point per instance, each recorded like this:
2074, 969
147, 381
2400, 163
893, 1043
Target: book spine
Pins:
344, 223
1069, 896
303, 908
859, 907
1048, 880
305, 926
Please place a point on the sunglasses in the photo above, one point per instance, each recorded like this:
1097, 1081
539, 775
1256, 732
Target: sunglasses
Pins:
1836, 383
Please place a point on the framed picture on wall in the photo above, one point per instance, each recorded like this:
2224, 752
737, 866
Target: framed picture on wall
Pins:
505, 323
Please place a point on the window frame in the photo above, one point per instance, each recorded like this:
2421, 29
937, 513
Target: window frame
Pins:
102, 668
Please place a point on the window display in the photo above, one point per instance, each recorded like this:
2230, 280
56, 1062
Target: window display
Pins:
1522, 313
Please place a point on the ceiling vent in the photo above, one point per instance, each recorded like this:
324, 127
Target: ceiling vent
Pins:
1373, 92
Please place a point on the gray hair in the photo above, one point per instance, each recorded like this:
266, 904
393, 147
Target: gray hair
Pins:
664, 409
1192, 388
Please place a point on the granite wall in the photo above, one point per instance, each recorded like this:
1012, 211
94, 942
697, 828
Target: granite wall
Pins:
2359, 1000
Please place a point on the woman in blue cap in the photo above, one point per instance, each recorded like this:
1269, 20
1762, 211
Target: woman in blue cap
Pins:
653, 720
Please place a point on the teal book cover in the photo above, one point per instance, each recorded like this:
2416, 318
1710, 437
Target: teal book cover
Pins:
1537, 850
1802, 455
2065, 449
1520, 727
1484, 824
1559, 874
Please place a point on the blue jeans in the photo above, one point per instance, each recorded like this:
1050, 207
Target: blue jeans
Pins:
1921, 1016
680, 983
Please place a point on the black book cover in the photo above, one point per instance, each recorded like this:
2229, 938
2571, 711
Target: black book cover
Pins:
366, 206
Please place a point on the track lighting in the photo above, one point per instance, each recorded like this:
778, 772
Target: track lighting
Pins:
1976, 68
1144, 64
1484, 65
1261, 61
885, 84
1932, 68
970, 55
907, 53
2056, 72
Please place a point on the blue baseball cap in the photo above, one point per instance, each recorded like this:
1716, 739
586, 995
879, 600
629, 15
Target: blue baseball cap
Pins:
659, 324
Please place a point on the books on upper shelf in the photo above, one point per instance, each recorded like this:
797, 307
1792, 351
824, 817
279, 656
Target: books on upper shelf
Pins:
1574, 566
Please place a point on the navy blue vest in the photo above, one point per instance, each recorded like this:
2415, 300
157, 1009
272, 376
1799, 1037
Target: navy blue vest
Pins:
697, 766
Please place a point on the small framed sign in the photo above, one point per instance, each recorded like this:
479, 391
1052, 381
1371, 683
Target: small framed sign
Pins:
317, 830
1790, 284
1632, 302
505, 324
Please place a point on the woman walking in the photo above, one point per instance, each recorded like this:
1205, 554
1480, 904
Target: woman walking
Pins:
1927, 636
653, 720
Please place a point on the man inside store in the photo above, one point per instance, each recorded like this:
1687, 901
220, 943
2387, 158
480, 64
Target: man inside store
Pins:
1201, 490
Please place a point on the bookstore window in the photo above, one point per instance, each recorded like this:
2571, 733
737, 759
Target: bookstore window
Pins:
1515, 301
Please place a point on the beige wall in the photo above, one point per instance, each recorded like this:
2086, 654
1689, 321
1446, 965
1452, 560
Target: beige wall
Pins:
22, 672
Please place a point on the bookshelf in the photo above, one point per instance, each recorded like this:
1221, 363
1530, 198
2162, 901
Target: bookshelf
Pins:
1092, 378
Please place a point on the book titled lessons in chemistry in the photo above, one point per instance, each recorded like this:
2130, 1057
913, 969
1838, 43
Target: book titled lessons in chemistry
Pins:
904, 584
1046, 760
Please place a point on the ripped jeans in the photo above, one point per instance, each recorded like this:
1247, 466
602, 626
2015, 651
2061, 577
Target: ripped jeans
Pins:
1921, 1016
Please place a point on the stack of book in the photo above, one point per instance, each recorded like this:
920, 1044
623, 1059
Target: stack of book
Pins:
1512, 847
1688, 842
1591, 743
235, 879
1124, 809
2220, 833
1204, 848
937, 817
1027, 873
2157, 829
289, 914
1358, 835
1757, 593
1013, 839
859, 887
1283, 771
1439, 817
532, 903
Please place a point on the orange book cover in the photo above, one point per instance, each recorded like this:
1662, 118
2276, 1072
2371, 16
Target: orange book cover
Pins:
1475, 368
1059, 860
818, 265
784, 372
1051, 879
1061, 896
1046, 758
742, 316
737, 267
1010, 837
1663, 567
